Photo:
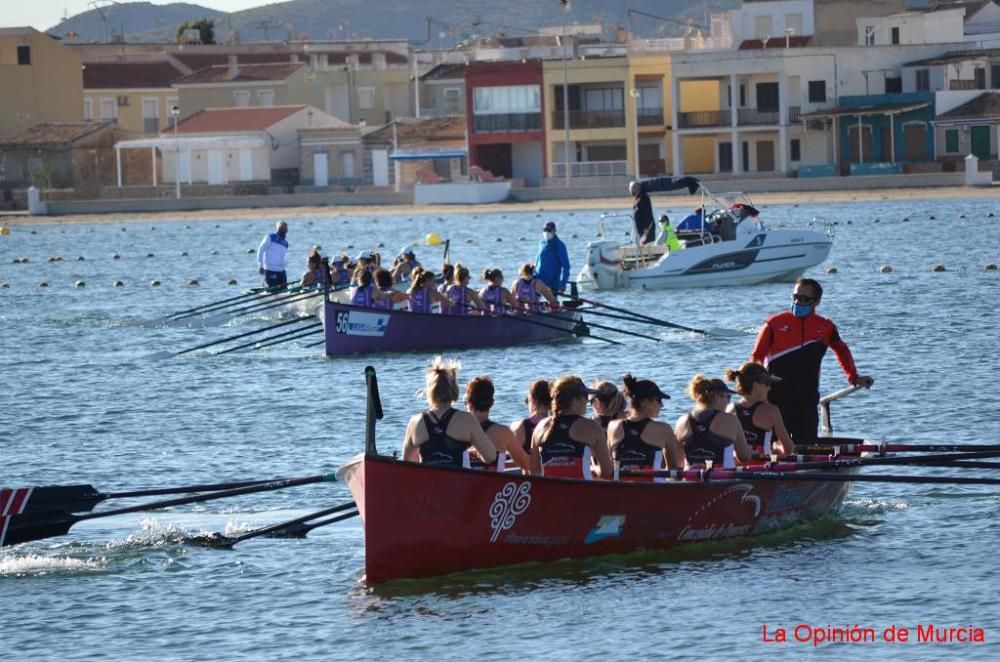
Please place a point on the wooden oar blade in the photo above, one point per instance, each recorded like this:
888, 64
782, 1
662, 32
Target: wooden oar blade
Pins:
17, 529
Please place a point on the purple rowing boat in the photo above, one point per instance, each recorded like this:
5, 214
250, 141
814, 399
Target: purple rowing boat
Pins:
354, 330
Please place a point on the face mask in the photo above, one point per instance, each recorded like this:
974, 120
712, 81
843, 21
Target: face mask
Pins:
801, 309
548, 235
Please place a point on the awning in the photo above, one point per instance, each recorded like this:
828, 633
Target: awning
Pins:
427, 154
195, 142
854, 111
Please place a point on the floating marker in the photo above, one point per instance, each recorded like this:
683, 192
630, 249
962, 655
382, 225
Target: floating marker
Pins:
52, 259
150, 255
573, 236
81, 259
885, 269
468, 241
4, 286
381, 244
989, 215
831, 270
906, 219
215, 252
187, 227
184, 253
217, 227
192, 282
43, 284
231, 281
938, 268
990, 266
17, 260
118, 283
499, 239
79, 283
116, 256
154, 283
522, 239
250, 251
932, 217
572, 213
961, 215
123, 230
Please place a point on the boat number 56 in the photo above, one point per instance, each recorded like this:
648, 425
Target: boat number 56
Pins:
341, 325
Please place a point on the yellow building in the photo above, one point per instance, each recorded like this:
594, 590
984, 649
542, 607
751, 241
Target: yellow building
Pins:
242, 85
137, 95
42, 81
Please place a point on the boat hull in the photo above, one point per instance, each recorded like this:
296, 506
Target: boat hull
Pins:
423, 521
354, 330
772, 256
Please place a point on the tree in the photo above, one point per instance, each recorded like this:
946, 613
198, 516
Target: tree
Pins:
205, 28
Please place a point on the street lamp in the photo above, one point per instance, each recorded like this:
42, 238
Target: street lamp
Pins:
175, 113
566, 9
635, 94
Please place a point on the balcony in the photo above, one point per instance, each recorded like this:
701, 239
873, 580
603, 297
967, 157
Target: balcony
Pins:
591, 169
966, 85
794, 114
590, 119
650, 116
757, 117
704, 119
511, 122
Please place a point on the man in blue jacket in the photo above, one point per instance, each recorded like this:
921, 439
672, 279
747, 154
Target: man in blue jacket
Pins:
552, 261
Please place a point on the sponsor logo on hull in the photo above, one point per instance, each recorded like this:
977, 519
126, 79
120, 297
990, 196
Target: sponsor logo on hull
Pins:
357, 323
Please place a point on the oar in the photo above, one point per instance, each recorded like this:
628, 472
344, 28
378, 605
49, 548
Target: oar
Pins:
223, 309
221, 540
265, 329
76, 498
299, 333
302, 334
617, 330
300, 530
640, 316
256, 292
820, 448
277, 303
914, 460
729, 475
571, 332
16, 529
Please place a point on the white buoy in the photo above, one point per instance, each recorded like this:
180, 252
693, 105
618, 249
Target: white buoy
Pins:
150, 255
43, 284
831, 270
231, 281
250, 251
215, 252
192, 282
4, 286
118, 283
116, 256
154, 283
885, 269
937, 268
81, 259
80, 283
184, 253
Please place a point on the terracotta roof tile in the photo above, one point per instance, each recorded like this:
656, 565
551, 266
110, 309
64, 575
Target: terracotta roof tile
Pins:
448, 127
985, 106
445, 72
226, 120
56, 133
128, 75
246, 73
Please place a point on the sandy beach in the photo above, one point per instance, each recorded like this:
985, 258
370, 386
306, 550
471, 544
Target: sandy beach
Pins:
623, 203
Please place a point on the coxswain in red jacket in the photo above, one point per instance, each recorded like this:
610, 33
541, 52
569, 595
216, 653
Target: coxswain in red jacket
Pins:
792, 345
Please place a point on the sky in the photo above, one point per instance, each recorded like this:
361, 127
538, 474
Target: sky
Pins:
43, 14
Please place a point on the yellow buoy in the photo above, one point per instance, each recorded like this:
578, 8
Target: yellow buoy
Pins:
4, 230
432, 239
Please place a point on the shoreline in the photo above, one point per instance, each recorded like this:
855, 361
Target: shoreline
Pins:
623, 203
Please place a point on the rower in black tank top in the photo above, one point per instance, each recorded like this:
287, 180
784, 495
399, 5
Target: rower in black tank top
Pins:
755, 435
705, 444
563, 456
440, 449
632, 452
604, 420
528, 426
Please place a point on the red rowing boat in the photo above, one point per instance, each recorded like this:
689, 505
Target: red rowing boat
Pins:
423, 521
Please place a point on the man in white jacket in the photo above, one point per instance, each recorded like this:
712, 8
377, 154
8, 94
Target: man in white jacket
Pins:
272, 257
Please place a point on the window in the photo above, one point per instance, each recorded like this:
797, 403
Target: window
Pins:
995, 77
979, 75
893, 85
793, 22
743, 95
895, 36
88, 109
109, 109
265, 97
649, 98
817, 91
951, 141
24, 55
453, 101
796, 150
762, 27
870, 35
366, 98
241, 98
150, 115
923, 80
505, 100
171, 120
604, 98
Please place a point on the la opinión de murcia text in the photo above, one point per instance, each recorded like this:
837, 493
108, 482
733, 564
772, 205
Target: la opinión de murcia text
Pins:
804, 633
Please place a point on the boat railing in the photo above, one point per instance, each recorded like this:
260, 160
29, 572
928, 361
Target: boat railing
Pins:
614, 214
824, 405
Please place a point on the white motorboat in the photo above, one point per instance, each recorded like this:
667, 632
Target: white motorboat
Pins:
731, 246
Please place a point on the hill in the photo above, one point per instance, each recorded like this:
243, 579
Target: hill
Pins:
434, 23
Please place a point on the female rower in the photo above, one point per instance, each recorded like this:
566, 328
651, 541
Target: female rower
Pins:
479, 400
761, 420
639, 442
364, 294
539, 401
707, 432
563, 444
423, 293
447, 276
312, 274
340, 274
443, 435
462, 298
497, 298
390, 295
404, 264
365, 261
607, 403
529, 290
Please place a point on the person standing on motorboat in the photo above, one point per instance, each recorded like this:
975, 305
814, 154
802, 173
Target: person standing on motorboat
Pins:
272, 257
708, 432
552, 261
642, 213
443, 435
529, 291
762, 424
792, 345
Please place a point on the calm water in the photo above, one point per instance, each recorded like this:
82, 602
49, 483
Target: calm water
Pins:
90, 395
